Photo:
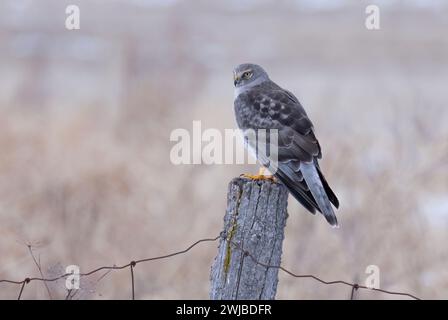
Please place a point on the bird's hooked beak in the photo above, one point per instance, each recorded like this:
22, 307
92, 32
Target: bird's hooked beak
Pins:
236, 78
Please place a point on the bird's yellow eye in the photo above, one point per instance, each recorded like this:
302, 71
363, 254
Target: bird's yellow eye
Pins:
247, 74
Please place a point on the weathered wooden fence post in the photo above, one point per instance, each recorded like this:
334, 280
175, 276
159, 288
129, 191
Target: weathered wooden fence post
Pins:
254, 229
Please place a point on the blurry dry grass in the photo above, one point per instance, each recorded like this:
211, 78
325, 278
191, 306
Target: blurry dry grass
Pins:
85, 119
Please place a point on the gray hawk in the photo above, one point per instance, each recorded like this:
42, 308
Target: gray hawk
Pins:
262, 104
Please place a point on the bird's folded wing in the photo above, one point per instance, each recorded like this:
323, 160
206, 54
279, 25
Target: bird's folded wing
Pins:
296, 143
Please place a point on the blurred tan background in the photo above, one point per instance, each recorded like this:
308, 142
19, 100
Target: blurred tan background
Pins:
86, 115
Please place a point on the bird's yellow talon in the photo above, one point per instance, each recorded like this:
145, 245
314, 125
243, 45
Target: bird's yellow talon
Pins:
260, 176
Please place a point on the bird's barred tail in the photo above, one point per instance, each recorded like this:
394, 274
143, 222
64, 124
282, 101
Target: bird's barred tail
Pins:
314, 183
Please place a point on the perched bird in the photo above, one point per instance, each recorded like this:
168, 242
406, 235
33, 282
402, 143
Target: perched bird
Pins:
261, 104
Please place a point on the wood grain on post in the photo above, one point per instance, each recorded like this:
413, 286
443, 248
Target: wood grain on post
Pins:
254, 223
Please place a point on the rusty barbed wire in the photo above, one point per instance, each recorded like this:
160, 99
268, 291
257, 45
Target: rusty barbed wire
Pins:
354, 286
131, 265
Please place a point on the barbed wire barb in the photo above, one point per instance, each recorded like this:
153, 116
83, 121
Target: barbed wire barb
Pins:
354, 288
132, 279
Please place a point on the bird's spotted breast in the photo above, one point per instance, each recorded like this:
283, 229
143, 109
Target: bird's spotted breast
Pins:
258, 110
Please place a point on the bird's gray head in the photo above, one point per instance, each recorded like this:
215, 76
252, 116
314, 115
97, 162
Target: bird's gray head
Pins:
248, 74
